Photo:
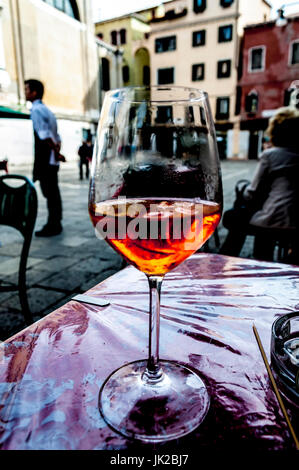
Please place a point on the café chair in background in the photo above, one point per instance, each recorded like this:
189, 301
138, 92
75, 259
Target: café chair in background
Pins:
18, 209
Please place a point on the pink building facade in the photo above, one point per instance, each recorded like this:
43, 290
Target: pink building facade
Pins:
269, 73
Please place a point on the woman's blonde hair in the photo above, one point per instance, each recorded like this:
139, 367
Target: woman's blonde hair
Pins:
283, 128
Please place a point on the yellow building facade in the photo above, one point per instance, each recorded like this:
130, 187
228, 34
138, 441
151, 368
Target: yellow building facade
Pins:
124, 33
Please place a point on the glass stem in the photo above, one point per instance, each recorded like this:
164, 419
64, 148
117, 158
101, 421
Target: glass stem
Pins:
153, 372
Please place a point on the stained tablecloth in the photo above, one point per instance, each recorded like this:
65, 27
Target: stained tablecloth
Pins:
51, 372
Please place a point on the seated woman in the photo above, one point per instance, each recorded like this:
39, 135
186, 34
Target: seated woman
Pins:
273, 192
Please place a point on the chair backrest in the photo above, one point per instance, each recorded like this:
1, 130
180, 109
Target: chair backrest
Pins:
18, 205
3, 165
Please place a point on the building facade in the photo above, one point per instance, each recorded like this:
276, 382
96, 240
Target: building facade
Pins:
53, 41
110, 67
133, 65
270, 73
196, 43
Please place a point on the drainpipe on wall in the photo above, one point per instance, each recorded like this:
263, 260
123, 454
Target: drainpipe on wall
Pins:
119, 59
85, 59
99, 75
18, 48
236, 128
237, 44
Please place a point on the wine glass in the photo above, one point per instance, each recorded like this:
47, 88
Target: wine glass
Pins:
155, 196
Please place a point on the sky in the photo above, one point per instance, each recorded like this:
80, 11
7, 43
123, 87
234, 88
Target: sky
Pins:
278, 3
108, 8
104, 9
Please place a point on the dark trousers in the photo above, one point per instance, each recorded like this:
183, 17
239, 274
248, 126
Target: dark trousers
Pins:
86, 169
237, 222
50, 190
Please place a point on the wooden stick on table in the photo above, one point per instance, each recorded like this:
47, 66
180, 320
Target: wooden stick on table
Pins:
278, 396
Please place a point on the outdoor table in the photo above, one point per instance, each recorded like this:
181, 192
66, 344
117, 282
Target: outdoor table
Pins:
51, 372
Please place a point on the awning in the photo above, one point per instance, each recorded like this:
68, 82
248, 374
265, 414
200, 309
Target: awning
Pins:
6, 112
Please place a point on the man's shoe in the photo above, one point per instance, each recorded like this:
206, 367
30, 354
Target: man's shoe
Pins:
49, 231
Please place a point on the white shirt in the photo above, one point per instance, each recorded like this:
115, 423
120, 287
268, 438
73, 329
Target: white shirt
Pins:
45, 125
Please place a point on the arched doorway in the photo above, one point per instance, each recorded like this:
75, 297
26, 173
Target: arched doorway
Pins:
142, 67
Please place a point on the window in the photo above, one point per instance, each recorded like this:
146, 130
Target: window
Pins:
123, 35
114, 38
118, 37
126, 73
146, 75
226, 3
189, 114
238, 100
69, 7
252, 102
294, 53
166, 76
164, 114
224, 68
198, 38
86, 134
199, 6
225, 33
202, 116
257, 59
198, 72
59, 4
222, 108
165, 44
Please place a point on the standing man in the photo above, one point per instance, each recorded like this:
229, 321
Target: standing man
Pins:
46, 156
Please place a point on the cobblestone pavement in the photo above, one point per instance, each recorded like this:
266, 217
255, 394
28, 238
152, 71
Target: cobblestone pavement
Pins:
74, 261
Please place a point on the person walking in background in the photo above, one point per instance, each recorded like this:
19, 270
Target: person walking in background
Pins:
85, 153
46, 156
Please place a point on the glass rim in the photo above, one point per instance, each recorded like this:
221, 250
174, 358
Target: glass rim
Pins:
112, 94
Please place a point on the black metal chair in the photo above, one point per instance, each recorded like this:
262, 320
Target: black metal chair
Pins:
285, 239
18, 209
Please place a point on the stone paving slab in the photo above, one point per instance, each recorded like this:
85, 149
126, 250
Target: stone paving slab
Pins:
11, 265
100, 278
11, 249
11, 322
8, 236
39, 300
97, 248
94, 265
36, 275
57, 263
73, 241
68, 280
7, 295
49, 251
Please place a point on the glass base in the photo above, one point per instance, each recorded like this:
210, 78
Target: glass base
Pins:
153, 412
